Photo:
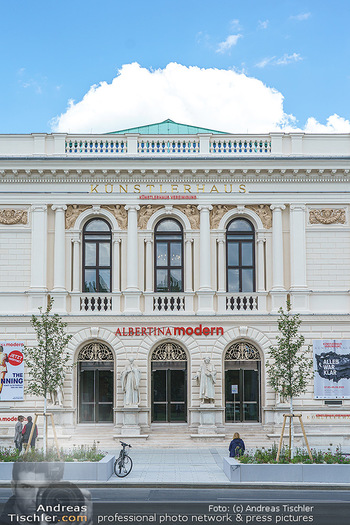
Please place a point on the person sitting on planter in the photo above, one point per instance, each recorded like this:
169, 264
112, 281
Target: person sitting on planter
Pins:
237, 446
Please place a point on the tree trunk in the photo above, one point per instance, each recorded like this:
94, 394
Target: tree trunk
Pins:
45, 428
291, 429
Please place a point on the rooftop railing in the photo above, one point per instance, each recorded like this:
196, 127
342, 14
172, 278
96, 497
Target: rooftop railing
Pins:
116, 145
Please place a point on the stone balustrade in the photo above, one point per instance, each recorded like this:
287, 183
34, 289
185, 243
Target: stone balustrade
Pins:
109, 145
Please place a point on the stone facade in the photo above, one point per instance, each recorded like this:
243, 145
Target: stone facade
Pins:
293, 194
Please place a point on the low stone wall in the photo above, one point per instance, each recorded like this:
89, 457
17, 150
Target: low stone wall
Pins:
75, 471
247, 473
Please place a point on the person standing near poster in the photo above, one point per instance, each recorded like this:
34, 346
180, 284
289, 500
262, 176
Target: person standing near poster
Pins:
27, 430
18, 433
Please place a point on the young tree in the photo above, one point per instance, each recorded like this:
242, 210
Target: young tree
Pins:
291, 370
47, 363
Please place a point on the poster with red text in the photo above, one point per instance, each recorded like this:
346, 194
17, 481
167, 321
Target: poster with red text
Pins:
11, 370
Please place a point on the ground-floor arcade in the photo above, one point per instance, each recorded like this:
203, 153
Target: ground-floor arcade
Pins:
169, 399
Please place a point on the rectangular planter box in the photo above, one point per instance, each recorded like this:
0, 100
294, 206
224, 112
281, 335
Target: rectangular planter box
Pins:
75, 471
241, 473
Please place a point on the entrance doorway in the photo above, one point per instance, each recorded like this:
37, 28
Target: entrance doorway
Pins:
169, 384
96, 384
242, 383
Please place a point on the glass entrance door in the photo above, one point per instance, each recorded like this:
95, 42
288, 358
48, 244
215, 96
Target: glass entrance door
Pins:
242, 388
169, 400
95, 393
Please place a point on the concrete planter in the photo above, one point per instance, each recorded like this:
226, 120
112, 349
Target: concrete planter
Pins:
246, 473
75, 471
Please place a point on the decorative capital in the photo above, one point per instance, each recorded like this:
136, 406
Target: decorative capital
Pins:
297, 207
277, 207
132, 207
59, 207
205, 207
38, 207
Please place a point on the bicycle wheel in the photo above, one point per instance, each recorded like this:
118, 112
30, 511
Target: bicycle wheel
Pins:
122, 467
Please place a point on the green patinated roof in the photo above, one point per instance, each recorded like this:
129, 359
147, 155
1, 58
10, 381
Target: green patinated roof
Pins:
167, 127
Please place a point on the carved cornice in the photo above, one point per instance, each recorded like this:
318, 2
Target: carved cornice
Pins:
72, 213
146, 211
119, 212
327, 216
192, 213
218, 212
8, 216
264, 212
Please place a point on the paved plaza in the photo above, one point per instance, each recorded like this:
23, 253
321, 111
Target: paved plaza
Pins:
192, 466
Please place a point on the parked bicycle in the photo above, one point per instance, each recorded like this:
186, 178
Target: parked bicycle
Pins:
123, 464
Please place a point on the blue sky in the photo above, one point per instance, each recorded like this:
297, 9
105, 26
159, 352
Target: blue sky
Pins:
54, 51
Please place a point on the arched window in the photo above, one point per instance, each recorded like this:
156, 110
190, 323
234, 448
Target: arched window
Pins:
97, 256
240, 256
168, 256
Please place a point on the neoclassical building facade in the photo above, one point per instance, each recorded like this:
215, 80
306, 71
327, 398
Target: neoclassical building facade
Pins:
168, 244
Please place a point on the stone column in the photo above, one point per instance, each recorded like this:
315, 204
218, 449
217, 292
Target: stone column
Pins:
149, 264
76, 263
59, 292
278, 293
60, 255
205, 293
188, 265
39, 247
299, 289
132, 293
277, 247
297, 246
221, 263
132, 250
38, 286
116, 263
204, 239
261, 264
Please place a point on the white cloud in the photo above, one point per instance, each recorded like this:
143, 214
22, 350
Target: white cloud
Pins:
230, 41
335, 124
287, 59
281, 61
301, 17
214, 98
263, 24
219, 99
235, 24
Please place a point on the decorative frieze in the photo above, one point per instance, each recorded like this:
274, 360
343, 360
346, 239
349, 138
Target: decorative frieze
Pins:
327, 216
146, 211
72, 213
119, 212
264, 212
217, 214
9, 216
192, 213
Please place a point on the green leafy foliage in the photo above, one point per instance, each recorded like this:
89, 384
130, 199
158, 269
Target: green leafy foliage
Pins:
47, 363
291, 370
82, 453
262, 455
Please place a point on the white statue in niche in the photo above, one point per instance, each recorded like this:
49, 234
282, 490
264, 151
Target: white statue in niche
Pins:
130, 380
206, 379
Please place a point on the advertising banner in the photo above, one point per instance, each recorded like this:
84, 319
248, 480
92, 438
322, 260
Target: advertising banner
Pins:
11, 370
332, 368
